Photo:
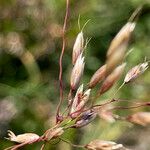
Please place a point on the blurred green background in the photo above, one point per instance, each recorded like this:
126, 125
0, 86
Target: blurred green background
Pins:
30, 45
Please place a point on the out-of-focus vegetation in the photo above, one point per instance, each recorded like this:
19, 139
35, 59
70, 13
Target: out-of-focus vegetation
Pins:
30, 45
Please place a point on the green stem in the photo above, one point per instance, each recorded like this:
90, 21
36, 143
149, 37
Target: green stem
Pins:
71, 144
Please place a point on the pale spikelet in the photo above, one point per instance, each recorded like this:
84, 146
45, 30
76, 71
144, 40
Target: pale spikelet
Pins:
118, 47
77, 72
86, 95
84, 99
135, 72
98, 76
103, 145
121, 39
141, 118
22, 138
112, 78
115, 59
78, 47
80, 100
77, 98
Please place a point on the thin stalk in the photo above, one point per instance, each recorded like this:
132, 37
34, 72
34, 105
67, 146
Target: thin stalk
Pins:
138, 104
130, 107
119, 89
15, 147
71, 144
79, 22
60, 60
42, 147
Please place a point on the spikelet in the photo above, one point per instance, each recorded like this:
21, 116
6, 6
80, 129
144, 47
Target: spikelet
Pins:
135, 72
118, 47
121, 39
84, 99
80, 100
77, 72
114, 61
78, 47
22, 138
77, 98
85, 118
98, 76
141, 118
112, 78
103, 145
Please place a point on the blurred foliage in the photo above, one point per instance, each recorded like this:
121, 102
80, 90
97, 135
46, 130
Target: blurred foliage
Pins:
30, 45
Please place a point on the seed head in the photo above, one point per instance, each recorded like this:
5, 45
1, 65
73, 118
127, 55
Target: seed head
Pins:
22, 138
103, 145
78, 47
121, 39
80, 100
77, 72
112, 78
98, 76
141, 118
118, 47
135, 72
77, 98
116, 58
84, 99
